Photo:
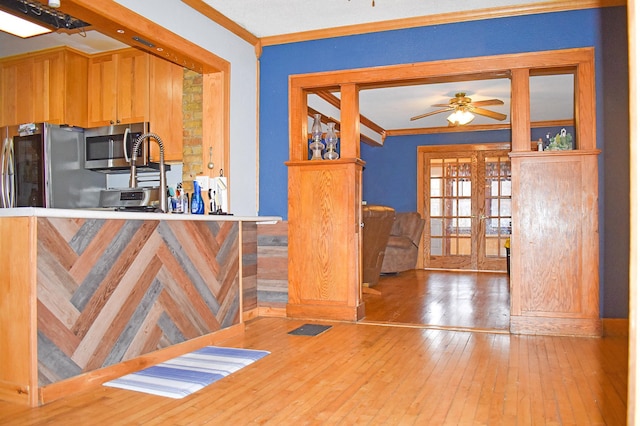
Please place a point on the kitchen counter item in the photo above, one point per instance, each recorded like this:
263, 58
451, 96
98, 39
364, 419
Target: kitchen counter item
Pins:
134, 198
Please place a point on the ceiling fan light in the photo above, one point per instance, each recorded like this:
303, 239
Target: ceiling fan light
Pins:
460, 117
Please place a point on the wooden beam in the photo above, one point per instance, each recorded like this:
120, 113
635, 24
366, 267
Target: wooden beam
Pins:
335, 101
326, 119
123, 24
475, 128
225, 22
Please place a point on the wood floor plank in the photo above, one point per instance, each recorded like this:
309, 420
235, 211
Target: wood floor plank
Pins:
469, 300
379, 374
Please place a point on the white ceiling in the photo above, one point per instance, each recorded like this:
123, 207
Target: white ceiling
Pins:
390, 108
265, 18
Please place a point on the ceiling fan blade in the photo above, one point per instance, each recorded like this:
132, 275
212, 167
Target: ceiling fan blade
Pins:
417, 117
487, 113
487, 102
443, 105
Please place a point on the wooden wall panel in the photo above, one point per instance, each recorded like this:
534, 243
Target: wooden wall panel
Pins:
324, 240
549, 237
249, 266
17, 310
554, 244
116, 289
273, 271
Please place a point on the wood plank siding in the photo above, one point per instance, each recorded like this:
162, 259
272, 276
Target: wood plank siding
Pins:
111, 290
272, 267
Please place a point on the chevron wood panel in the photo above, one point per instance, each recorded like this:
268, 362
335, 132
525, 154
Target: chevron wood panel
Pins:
111, 290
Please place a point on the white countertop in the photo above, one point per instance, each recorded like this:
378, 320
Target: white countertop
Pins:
110, 214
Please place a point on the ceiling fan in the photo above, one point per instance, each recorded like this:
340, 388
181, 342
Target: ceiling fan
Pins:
463, 108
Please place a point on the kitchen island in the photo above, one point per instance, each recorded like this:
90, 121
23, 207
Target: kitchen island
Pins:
90, 295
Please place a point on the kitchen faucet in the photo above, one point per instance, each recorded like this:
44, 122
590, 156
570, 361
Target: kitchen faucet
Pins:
133, 180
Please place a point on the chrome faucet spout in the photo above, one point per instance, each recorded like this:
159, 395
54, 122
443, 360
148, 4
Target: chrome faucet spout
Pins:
133, 180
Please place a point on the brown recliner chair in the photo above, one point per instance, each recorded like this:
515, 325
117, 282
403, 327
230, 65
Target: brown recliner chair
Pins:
401, 253
378, 221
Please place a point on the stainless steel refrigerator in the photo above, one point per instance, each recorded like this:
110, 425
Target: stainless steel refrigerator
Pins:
43, 166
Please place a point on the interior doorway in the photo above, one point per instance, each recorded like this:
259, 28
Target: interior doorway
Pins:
465, 197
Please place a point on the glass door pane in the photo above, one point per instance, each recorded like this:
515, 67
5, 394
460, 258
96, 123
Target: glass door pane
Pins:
496, 218
467, 205
450, 211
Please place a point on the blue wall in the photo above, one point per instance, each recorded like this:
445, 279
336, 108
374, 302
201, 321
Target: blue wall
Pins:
394, 180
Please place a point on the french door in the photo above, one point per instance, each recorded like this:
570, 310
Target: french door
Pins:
466, 201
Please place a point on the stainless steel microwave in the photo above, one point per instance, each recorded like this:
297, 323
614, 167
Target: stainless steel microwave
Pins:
109, 149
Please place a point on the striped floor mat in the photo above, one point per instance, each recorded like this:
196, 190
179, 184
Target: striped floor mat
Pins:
188, 373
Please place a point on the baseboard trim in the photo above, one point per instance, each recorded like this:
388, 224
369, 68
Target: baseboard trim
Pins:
615, 327
268, 311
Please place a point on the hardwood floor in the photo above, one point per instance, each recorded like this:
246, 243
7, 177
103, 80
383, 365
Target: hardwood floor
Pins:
458, 300
371, 374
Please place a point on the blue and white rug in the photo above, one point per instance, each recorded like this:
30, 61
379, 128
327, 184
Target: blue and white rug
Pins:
188, 373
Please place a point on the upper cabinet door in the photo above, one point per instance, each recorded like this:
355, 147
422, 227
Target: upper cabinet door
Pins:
102, 90
16, 91
165, 107
48, 87
118, 88
132, 86
60, 87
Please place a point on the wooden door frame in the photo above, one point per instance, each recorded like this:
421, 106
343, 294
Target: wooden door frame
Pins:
520, 67
442, 149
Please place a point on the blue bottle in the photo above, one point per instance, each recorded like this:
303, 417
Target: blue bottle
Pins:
197, 203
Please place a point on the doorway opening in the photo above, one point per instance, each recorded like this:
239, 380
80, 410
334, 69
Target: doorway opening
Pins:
465, 198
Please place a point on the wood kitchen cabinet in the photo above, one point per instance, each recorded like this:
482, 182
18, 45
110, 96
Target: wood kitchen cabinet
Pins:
16, 91
46, 86
60, 87
165, 107
118, 88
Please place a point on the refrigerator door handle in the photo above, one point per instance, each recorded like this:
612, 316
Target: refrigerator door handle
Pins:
7, 192
4, 173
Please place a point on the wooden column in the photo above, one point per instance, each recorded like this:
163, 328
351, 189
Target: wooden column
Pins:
324, 216
520, 111
18, 337
554, 246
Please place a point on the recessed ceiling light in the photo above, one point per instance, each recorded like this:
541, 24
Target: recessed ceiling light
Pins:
20, 27
159, 49
120, 31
